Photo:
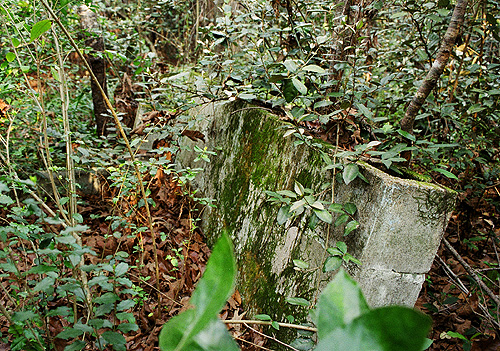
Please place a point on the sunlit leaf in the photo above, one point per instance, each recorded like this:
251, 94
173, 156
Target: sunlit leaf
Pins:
313, 68
283, 214
351, 172
39, 28
263, 317
299, 86
332, 263
10, 56
290, 65
352, 225
445, 173
324, 215
298, 301
300, 264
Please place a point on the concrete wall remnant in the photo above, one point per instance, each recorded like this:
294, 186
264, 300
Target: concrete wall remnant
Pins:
401, 221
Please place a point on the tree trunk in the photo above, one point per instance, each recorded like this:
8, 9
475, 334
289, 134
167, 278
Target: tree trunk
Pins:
94, 39
436, 70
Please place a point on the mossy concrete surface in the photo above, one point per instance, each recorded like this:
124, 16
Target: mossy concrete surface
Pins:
401, 221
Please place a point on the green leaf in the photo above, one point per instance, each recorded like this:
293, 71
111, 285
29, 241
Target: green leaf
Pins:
84, 327
6, 200
22, 316
65, 239
127, 327
445, 173
113, 338
300, 264
317, 205
275, 325
456, 335
16, 42
45, 285
126, 316
76, 228
303, 344
335, 251
332, 263
352, 225
298, 301
59, 311
297, 205
9, 267
214, 337
341, 246
283, 214
290, 65
299, 188
392, 328
10, 56
364, 110
313, 68
289, 90
324, 215
121, 269
350, 258
245, 96
263, 317
299, 86
76, 346
351, 172
209, 297
39, 28
339, 304
341, 220
287, 193
69, 333
108, 297
125, 305
337, 208
313, 222
350, 208
407, 135
78, 217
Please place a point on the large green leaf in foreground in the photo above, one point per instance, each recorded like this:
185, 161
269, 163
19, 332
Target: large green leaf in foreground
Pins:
198, 329
345, 323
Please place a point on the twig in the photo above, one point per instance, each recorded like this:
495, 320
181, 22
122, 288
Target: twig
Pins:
471, 272
486, 314
253, 344
453, 276
284, 325
270, 337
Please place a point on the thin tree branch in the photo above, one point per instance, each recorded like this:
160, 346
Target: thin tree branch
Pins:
284, 325
471, 272
436, 70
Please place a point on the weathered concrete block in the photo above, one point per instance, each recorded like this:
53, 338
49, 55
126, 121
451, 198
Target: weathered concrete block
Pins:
401, 221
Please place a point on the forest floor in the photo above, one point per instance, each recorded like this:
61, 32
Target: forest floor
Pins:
450, 296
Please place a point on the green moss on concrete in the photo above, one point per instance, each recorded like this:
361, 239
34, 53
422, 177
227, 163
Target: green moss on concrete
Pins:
249, 162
